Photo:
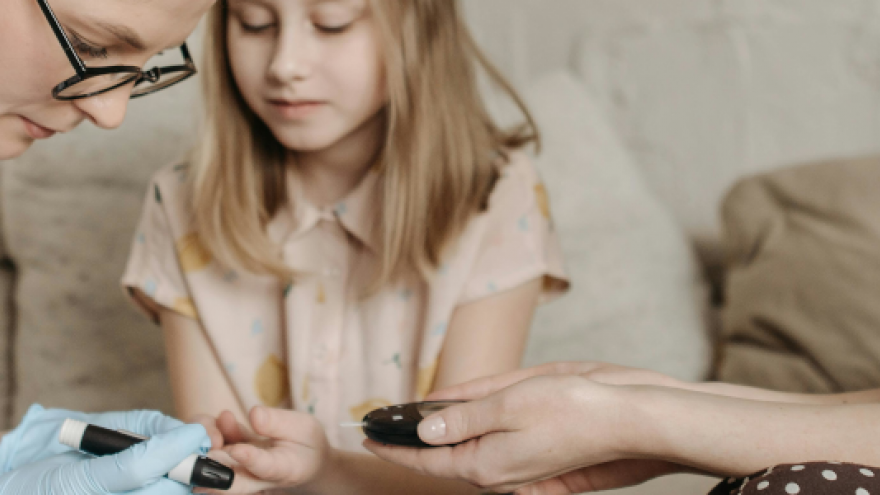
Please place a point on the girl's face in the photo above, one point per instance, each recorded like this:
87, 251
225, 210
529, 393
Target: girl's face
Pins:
105, 32
310, 69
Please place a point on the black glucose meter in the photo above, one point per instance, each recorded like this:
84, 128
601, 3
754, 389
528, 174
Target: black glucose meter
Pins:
398, 425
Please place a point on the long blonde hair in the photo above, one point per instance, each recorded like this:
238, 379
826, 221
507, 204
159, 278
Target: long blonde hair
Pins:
438, 166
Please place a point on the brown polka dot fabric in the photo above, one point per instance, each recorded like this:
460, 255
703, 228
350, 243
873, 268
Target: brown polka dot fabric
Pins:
810, 478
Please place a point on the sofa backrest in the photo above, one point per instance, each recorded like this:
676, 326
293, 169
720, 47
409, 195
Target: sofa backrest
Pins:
704, 92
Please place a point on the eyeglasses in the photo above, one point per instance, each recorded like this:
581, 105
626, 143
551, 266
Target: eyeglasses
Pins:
91, 81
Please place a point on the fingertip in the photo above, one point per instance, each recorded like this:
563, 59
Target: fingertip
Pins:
258, 417
433, 430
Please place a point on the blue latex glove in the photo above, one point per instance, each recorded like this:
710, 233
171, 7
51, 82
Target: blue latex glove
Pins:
35, 462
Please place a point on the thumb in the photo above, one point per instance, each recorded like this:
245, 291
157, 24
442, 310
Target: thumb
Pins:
146, 462
462, 422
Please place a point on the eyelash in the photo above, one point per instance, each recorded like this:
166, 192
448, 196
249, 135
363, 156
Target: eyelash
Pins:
87, 49
250, 29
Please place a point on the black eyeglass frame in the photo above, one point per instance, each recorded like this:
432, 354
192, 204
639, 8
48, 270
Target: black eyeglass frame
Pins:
136, 74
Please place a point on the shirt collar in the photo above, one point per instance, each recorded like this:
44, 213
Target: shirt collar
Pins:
357, 213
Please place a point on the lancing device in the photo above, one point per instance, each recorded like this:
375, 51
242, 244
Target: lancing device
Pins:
195, 470
399, 425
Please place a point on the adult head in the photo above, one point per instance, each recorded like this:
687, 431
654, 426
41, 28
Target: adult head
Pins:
102, 33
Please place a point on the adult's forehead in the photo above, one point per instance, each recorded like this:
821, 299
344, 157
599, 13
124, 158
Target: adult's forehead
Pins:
156, 22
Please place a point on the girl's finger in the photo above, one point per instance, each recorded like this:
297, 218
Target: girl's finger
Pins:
285, 425
267, 465
210, 424
233, 431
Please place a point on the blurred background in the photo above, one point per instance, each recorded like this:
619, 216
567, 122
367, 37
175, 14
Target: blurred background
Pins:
651, 110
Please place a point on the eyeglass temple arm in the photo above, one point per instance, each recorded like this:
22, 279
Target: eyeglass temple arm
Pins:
62, 38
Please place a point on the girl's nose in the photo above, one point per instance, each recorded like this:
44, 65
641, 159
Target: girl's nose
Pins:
292, 59
106, 110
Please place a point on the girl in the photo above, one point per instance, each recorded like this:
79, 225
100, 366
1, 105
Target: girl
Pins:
353, 231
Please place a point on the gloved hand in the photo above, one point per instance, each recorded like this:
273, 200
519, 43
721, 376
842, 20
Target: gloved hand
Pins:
138, 470
36, 439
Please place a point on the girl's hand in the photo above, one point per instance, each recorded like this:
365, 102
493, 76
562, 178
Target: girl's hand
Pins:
225, 430
551, 434
286, 449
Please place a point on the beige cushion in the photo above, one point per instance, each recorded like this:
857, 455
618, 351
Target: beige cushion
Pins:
803, 302
638, 297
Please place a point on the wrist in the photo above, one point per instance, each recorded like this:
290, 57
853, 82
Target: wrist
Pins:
324, 479
644, 424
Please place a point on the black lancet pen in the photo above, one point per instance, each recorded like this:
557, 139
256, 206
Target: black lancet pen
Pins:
195, 470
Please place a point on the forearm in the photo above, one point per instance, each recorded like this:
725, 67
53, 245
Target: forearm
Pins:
365, 474
753, 393
730, 436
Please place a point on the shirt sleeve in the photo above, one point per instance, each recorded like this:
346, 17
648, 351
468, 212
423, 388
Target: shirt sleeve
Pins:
518, 242
153, 265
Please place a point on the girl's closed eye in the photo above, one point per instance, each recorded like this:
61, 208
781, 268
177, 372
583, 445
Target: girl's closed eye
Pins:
255, 20
333, 29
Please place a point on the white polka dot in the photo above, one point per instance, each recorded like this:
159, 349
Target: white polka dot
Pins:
829, 475
867, 473
793, 488
862, 491
763, 485
797, 468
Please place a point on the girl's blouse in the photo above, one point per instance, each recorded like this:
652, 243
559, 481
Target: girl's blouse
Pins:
319, 345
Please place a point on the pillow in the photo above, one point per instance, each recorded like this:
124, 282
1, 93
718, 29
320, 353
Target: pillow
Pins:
803, 293
637, 296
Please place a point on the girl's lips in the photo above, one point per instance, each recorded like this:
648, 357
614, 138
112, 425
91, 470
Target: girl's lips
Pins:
296, 109
37, 131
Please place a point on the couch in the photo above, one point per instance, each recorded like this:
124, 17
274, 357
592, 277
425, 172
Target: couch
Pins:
651, 110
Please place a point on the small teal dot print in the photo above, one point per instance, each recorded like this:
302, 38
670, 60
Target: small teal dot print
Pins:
395, 361
440, 329
524, 224
312, 408
230, 276
340, 209
288, 289
444, 269
141, 238
230, 368
157, 193
257, 328
492, 287
406, 294
150, 287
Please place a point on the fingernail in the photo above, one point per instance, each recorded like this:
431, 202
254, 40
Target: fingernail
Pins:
432, 429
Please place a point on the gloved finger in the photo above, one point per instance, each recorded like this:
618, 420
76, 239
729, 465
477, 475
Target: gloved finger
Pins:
163, 486
146, 462
143, 422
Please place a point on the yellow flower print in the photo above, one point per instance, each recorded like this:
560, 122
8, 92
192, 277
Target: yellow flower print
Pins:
543, 200
425, 380
271, 383
358, 412
194, 256
186, 307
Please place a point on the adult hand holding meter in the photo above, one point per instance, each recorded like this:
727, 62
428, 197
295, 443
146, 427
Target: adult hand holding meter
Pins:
559, 429
34, 462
